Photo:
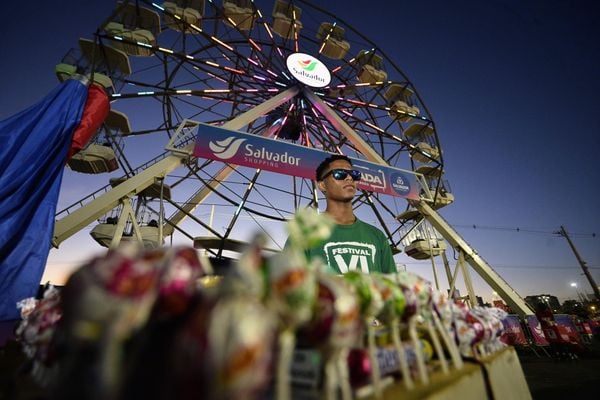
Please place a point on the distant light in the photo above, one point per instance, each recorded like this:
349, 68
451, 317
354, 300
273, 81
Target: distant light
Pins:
573, 284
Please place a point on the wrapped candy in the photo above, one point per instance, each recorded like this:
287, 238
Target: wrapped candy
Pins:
425, 293
181, 268
334, 328
478, 330
103, 304
389, 362
291, 288
36, 332
491, 320
443, 320
371, 304
414, 292
308, 228
223, 350
291, 293
249, 273
394, 304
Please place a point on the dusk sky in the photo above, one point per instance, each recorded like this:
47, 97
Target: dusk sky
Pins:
513, 87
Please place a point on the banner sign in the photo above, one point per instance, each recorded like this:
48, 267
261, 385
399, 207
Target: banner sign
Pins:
566, 329
536, 331
254, 151
513, 332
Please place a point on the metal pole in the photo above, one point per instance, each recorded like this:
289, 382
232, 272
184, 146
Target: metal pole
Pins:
586, 271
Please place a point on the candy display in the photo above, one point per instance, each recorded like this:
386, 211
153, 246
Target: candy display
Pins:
136, 323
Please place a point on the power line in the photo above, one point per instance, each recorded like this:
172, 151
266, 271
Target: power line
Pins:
522, 230
504, 266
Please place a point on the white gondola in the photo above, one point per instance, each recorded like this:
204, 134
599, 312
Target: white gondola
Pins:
181, 14
107, 57
425, 153
334, 45
370, 67
240, 12
94, 159
131, 14
104, 233
118, 121
418, 132
142, 36
422, 249
442, 199
408, 215
286, 19
340, 91
430, 171
66, 71
422, 136
401, 102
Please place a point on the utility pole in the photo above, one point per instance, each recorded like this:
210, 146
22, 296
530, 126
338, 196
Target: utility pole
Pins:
586, 272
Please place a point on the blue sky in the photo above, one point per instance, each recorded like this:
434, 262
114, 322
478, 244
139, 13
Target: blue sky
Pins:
512, 87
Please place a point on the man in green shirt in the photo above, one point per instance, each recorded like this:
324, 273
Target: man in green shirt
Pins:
354, 244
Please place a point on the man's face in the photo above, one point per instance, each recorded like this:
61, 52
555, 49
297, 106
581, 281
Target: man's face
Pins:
343, 190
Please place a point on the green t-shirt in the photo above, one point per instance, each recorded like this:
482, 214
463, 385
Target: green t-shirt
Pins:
358, 246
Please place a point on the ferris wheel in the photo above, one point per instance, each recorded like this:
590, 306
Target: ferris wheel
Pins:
170, 65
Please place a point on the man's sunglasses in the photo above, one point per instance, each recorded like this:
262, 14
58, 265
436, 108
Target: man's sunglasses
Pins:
341, 174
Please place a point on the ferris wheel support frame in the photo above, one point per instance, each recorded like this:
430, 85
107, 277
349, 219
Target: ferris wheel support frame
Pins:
491, 277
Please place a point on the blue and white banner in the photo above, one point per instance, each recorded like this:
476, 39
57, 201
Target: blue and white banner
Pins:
248, 150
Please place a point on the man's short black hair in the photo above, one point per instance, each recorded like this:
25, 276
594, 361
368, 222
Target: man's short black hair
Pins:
325, 163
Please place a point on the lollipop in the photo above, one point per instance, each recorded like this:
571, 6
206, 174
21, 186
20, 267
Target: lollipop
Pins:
181, 269
497, 315
103, 304
308, 228
371, 304
469, 332
442, 318
413, 290
223, 350
36, 331
394, 304
491, 321
291, 292
291, 288
334, 329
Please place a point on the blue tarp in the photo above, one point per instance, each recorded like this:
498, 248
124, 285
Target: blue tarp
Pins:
33, 148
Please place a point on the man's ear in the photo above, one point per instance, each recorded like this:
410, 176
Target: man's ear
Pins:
321, 186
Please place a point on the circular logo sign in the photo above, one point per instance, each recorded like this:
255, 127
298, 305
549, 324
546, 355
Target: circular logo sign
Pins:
308, 70
400, 184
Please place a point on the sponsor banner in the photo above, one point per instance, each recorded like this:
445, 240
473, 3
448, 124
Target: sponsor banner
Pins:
566, 329
536, 331
254, 151
513, 332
